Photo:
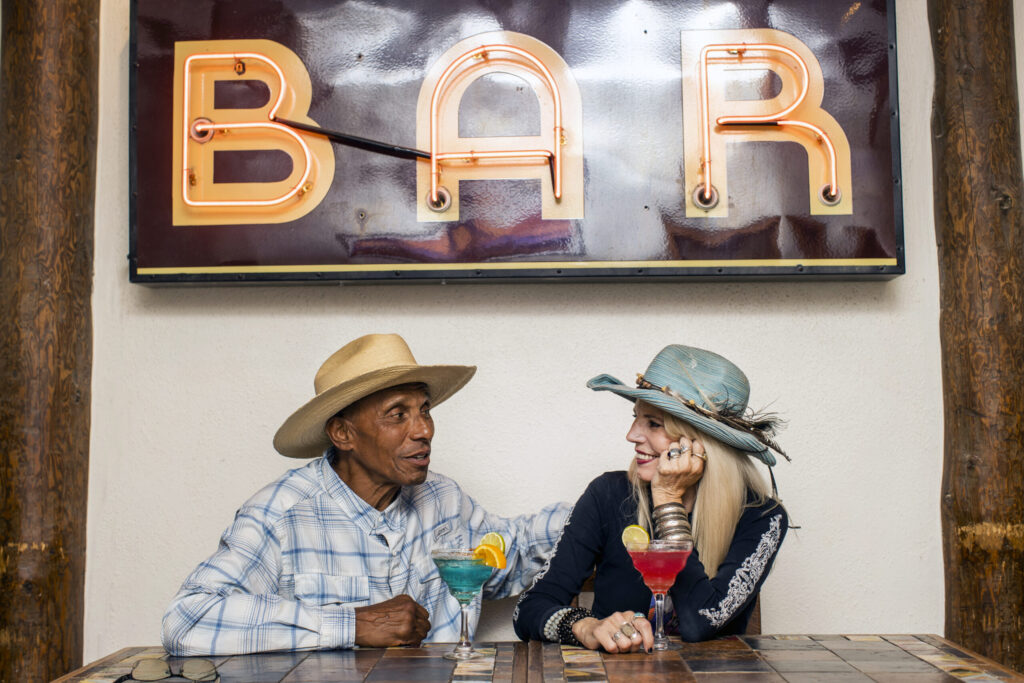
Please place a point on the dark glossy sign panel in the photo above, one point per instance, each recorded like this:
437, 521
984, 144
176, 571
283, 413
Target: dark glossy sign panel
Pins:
317, 140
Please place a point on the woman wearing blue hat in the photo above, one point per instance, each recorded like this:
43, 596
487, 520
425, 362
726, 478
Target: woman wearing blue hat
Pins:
692, 473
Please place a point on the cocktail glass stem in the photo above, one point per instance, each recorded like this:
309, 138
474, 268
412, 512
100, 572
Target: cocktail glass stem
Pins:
660, 641
464, 650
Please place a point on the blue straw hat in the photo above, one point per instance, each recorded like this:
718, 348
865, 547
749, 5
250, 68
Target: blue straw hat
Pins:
705, 390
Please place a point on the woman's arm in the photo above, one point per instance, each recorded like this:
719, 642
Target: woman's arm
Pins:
706, 606
571, 562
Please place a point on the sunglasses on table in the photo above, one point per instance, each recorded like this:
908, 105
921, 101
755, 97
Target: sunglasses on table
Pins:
151, 669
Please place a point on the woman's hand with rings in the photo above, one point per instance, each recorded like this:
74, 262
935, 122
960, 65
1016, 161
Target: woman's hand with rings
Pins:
619, 632
679, 467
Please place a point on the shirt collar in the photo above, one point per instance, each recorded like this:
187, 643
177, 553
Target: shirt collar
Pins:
365, 516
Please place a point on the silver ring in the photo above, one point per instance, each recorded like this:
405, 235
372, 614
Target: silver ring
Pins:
617, 635
639, 615
674, 453
702, 456
627, 629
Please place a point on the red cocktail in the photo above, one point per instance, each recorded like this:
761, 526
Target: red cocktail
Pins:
658, 563
659, 568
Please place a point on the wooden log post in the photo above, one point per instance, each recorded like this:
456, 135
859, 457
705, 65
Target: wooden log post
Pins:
48, 110
978, 221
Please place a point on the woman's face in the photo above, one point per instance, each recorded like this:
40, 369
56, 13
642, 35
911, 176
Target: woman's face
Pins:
648, 435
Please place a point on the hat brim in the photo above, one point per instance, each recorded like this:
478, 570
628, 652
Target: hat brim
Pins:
302, 434
724, 433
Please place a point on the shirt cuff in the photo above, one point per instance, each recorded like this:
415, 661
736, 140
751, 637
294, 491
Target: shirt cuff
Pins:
337, 627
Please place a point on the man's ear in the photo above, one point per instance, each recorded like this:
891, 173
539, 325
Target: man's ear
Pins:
339, 431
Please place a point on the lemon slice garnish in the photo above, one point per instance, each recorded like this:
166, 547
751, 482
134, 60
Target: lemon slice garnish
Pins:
495, 539
635, 536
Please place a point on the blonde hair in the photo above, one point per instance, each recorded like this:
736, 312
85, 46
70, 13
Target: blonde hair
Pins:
721, 492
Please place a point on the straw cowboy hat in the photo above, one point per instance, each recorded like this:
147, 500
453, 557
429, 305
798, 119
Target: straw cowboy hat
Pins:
705, 390
356, 370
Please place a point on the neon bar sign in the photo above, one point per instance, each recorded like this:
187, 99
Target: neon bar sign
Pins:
555, 157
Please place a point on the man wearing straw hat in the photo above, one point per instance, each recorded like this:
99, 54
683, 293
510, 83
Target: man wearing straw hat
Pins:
336, 554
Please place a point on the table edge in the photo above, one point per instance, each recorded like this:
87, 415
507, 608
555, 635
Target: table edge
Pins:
987, 660
532, 672
82, 670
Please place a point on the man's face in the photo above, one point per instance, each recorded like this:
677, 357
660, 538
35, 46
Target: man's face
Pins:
388, 437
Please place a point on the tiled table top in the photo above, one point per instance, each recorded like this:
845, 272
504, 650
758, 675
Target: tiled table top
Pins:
746, 659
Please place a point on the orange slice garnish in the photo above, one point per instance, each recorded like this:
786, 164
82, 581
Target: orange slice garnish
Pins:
490, 554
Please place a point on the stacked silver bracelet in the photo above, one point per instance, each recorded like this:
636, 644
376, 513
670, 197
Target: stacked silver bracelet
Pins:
671, 523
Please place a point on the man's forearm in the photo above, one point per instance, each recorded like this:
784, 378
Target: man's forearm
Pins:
534, 537
202, 623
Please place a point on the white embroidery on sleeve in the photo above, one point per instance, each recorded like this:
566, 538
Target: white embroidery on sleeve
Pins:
743, 582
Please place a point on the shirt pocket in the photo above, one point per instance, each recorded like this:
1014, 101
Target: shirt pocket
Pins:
326, 589
426, 573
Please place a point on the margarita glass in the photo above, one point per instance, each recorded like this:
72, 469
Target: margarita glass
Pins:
658, 563
465, 575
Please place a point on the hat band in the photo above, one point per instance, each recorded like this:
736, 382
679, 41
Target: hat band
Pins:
643, 383
760, 428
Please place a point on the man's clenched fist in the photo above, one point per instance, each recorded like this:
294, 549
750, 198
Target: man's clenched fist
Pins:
398, 621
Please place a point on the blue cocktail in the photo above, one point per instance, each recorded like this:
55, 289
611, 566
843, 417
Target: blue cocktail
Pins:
465, 575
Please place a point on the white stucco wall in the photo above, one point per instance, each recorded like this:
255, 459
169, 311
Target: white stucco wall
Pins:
190, 385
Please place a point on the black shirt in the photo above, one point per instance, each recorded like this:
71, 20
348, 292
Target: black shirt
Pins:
706, 607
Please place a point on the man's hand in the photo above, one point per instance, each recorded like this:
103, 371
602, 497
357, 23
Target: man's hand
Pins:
398, 621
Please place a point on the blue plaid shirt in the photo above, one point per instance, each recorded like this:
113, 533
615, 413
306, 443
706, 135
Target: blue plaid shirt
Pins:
305, 551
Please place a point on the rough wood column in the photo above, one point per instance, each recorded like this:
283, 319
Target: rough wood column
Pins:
48, 96
978, 221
